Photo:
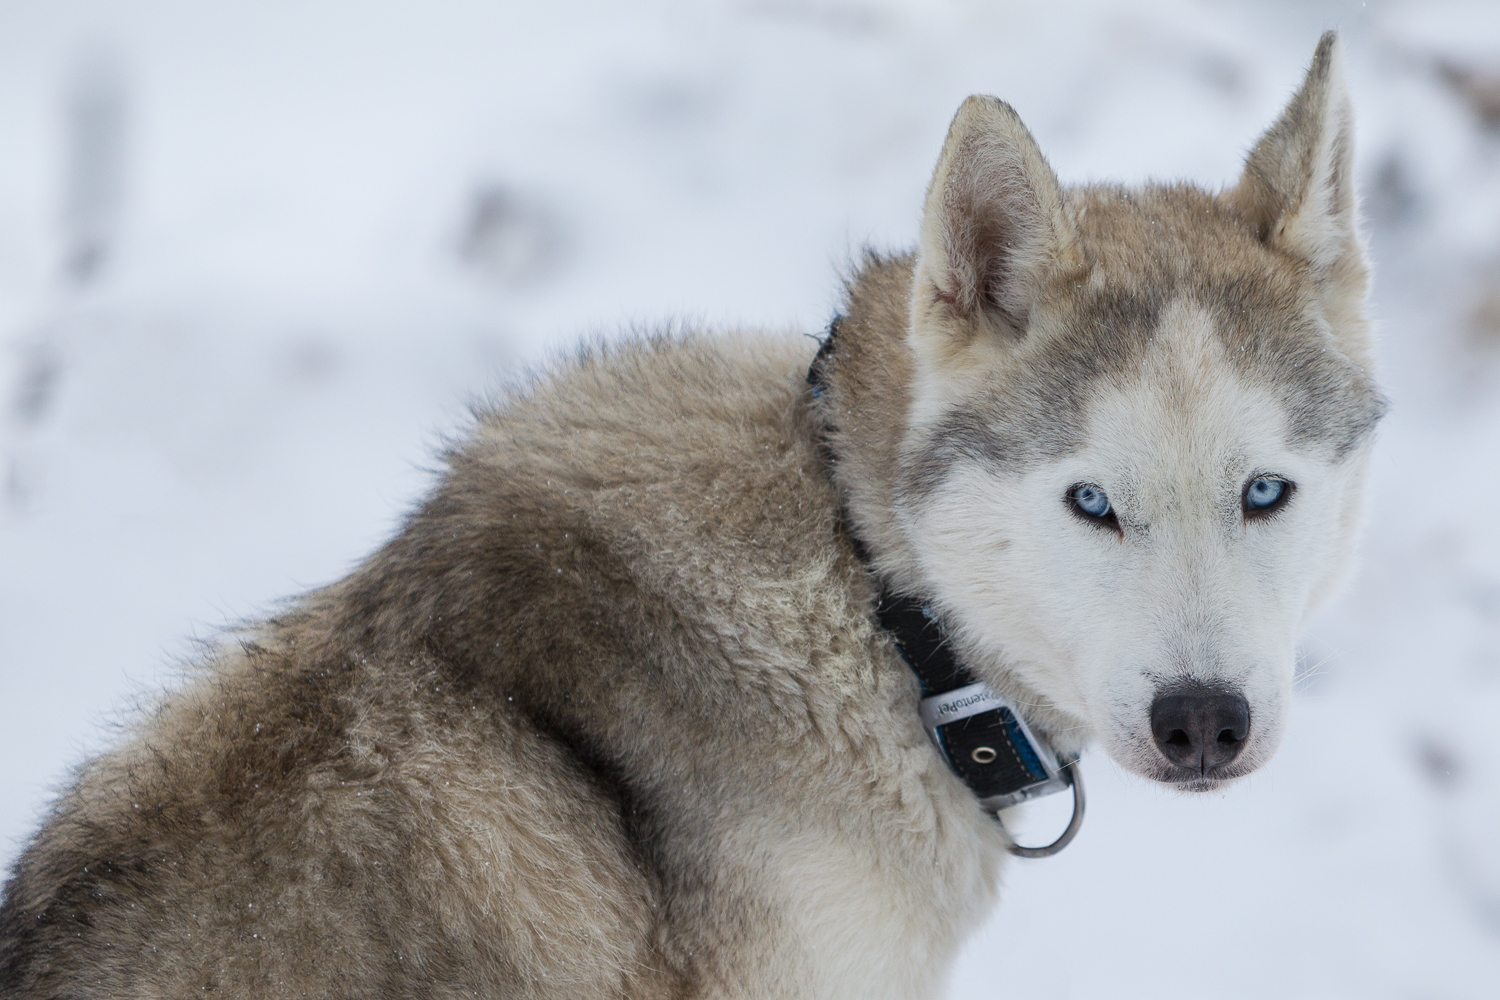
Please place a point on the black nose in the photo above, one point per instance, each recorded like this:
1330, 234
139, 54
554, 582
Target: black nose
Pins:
1200, 728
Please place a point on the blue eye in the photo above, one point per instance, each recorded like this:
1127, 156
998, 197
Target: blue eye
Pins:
1090, 501
1265, 493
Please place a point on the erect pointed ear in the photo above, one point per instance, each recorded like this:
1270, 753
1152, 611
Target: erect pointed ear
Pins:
995, 227
1298, 185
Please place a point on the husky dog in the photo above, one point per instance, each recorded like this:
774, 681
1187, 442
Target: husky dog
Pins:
613, 715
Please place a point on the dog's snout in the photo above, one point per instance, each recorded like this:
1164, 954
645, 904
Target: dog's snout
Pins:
1200, 729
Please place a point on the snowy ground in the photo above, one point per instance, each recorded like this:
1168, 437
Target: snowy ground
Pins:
255, 257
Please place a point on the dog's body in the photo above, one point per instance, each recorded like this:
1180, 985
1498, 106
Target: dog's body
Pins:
612, 716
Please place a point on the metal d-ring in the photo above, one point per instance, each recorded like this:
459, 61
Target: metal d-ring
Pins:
1075, 779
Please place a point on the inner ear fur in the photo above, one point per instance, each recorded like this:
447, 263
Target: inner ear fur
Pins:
995, 228
1297, 190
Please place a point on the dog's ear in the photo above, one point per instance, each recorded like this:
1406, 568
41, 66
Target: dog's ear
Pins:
1298, 184
995, 227
1298, 189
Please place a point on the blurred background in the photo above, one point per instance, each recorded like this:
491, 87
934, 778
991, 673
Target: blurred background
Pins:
256, 258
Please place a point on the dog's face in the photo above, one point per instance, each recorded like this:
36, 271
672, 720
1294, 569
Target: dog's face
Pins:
1138, 434
1149, 575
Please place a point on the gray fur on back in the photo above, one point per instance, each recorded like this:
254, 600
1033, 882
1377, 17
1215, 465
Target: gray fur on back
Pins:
530, 747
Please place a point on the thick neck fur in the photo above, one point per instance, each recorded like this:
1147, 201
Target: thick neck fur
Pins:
863, 410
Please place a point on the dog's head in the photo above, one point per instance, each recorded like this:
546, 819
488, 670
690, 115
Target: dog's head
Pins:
1138, 426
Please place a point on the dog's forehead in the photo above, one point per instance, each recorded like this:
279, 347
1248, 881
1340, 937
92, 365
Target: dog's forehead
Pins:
1184, 403
1180, 295
1177, 294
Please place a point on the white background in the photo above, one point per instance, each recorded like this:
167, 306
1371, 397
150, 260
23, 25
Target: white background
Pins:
295, 302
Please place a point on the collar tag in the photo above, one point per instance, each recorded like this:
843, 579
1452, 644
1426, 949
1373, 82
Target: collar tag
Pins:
987, 743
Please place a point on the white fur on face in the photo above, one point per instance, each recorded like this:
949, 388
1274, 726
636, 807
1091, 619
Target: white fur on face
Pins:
1098, 622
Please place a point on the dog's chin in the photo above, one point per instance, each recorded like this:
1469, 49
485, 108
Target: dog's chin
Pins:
1195, 784
1185, 779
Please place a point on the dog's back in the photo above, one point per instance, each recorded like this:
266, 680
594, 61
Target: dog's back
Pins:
402, 784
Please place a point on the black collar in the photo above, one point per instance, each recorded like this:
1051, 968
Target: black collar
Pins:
981, 735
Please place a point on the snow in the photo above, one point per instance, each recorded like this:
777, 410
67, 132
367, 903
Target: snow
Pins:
329, 226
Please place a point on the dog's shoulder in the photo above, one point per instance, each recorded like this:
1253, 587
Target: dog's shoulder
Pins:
688, 463
662, 412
